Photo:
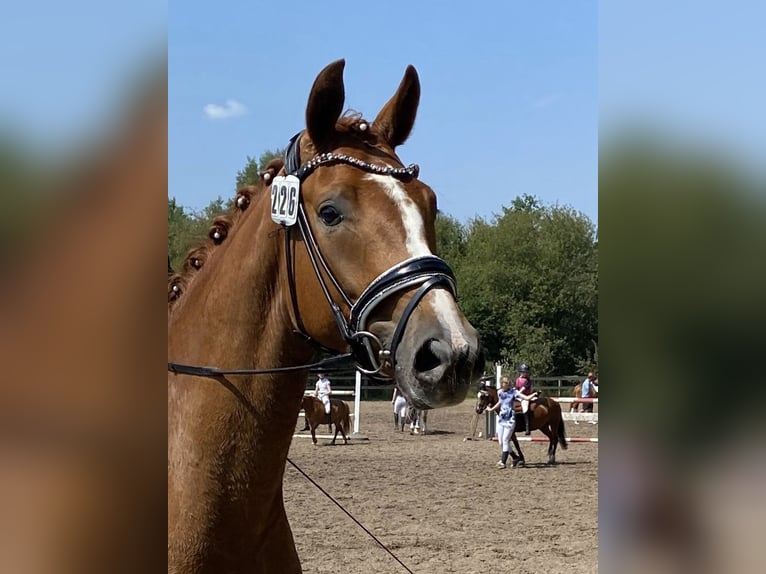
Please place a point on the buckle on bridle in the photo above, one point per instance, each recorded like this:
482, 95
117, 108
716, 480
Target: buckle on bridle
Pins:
366, 339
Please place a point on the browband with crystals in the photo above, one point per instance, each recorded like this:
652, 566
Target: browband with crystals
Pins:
303, 172
293, 163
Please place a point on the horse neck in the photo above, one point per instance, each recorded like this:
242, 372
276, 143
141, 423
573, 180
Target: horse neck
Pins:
234, 313
228, 438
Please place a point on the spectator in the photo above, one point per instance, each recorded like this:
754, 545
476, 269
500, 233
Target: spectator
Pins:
589, 391
400, 409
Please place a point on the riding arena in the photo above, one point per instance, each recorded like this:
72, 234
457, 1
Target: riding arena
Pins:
432, 499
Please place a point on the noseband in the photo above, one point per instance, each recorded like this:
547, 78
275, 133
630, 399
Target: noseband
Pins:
424, 273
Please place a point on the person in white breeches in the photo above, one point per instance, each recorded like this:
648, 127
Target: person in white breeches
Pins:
506, 420
400, 409
323, 390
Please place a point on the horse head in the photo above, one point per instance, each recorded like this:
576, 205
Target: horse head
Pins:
368, 224
484, 397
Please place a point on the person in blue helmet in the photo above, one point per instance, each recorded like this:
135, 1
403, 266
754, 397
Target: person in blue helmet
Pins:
524, 386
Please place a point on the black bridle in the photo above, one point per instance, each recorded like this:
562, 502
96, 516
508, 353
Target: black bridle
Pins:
483, 398
424, 273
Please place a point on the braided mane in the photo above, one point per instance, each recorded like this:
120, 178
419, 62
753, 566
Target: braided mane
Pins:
222, 227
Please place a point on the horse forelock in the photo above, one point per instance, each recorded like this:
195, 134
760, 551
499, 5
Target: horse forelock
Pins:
353, 132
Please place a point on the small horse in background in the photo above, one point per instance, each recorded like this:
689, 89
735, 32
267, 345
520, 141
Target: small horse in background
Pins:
546, 417
418, 420
313, 408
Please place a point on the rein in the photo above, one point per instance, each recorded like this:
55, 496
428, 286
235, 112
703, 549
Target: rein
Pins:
213, 372
367, 350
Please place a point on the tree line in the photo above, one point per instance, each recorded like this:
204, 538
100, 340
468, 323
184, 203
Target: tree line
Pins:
527, 278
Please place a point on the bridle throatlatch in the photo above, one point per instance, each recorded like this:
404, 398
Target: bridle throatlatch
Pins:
424, 273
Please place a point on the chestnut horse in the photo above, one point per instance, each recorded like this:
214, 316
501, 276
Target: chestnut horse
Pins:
313, 409
338, 257
546, 417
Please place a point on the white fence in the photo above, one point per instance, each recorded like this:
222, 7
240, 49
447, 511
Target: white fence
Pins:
579, 416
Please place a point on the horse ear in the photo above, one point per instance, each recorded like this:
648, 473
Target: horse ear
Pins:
325, 103
395, 120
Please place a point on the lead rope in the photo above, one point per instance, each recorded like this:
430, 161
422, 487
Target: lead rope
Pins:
346, 512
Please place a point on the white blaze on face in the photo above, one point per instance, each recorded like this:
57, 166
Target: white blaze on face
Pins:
414, 229
415, 242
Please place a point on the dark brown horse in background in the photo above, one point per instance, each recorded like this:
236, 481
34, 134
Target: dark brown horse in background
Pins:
355, 271
313, 409
546, 417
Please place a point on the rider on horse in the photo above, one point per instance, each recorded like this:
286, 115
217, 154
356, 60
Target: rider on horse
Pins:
524, 385
322, 391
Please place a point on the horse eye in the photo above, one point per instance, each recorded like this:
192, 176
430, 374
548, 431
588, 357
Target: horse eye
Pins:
330, 216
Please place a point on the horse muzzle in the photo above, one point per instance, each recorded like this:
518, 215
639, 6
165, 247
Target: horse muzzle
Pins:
433, 352
435, 367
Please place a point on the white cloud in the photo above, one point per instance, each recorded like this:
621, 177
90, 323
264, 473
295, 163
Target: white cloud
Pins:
232, 109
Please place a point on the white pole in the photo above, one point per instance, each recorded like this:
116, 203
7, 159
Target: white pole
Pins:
498, 376
491, 420
357, 400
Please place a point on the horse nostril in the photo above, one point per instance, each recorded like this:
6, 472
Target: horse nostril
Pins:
432, 354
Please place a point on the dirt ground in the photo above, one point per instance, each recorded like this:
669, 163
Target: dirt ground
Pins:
438, 502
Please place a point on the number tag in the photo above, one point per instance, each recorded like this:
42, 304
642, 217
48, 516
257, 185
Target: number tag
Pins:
285, 198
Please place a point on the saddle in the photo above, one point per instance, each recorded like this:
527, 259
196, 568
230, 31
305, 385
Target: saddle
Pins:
540, 400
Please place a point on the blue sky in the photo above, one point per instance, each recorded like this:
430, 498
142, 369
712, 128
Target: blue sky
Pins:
68, 67
508, 103
691, 69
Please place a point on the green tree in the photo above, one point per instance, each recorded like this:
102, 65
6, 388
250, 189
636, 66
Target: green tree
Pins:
188, 229
450, 239
528, 282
